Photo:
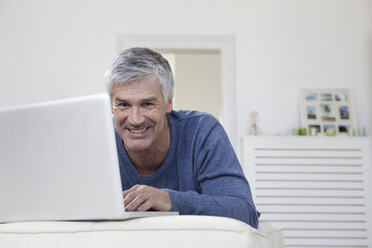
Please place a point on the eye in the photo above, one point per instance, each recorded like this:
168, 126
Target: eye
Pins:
122, 105
148, 104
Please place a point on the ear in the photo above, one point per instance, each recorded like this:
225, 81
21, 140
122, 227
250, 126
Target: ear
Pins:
112, 108
169, 105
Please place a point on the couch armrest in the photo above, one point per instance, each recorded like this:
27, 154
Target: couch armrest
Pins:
165, 231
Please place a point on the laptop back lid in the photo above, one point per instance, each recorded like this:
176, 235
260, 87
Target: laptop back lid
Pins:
58, 161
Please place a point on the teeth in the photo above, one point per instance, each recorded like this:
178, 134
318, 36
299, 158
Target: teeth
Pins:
138, 131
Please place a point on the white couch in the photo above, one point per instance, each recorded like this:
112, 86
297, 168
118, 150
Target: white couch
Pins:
164, 232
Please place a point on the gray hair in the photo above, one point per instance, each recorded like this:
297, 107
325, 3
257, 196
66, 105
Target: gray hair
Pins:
137, 63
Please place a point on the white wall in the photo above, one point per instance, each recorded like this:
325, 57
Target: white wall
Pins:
303, 44
54, 49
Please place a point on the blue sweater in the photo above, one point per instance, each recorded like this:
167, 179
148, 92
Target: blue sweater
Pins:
201, 172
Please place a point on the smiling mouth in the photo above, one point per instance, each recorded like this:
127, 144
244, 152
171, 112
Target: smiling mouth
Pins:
138, 131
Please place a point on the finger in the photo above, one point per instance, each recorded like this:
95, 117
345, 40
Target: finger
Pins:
134, 188
157, 200
136, 202
132, 193
130, 197
148, 204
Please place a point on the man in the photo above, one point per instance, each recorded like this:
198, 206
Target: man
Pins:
171, 160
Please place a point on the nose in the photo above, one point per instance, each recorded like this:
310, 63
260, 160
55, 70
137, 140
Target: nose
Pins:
135, 117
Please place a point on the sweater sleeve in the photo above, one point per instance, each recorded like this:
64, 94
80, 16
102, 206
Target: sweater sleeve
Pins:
223, 188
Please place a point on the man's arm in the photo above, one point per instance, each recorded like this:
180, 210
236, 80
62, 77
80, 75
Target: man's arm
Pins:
193, 203
222, 187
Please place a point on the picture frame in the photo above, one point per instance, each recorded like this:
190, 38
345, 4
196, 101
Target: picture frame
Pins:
327, 109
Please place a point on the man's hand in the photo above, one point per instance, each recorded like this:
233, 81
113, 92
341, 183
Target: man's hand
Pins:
143, 198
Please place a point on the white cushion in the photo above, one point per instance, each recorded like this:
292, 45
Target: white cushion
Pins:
165, 231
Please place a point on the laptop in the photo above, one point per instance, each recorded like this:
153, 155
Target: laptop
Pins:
58, 161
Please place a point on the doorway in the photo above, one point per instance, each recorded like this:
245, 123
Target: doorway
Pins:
197, 80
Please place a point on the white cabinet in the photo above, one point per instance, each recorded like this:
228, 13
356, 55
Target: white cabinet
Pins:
318, 189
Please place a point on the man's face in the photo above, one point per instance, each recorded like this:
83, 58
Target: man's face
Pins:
140, 114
